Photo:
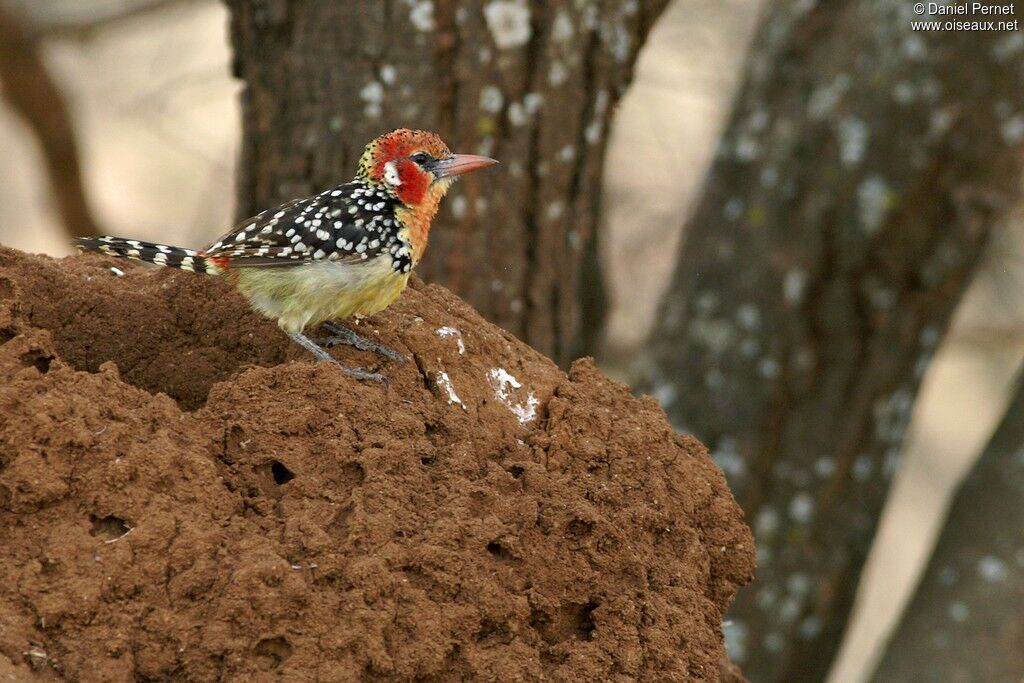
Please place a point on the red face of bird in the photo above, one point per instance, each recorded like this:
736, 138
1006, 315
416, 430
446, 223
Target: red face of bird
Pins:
414, 163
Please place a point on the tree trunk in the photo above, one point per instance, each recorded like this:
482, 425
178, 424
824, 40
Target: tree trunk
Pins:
861, 171
530, 83
966, 619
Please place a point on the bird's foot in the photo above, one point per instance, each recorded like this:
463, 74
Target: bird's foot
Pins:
343, 335
356, 373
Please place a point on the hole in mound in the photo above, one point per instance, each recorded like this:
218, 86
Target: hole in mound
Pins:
37, 359
572, 620
7, 334
352, 474
108, 528
272, 652
427, 460
516, 471
499, 551
280, 473
7, 290
579, 529
493, 633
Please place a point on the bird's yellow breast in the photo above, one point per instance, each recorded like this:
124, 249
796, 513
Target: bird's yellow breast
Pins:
309, 294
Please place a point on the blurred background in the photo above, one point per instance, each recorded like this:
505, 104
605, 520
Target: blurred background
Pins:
147, 97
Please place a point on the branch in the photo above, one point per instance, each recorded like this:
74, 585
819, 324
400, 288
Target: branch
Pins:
964, 620
29, 90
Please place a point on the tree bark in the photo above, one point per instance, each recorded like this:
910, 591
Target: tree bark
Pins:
530, 83
966, 619
860, 173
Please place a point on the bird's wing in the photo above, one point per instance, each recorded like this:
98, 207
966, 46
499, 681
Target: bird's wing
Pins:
350, 222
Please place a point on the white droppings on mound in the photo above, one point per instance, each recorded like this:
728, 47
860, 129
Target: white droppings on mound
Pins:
453, 332
503, 384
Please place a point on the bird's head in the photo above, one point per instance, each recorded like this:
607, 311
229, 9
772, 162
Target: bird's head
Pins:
415, 165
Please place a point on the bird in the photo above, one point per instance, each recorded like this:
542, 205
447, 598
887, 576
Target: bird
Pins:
345, 252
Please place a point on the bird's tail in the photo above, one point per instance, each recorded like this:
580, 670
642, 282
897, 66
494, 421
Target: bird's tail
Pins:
160, 254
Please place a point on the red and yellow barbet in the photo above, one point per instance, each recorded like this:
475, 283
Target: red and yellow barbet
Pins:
345, 252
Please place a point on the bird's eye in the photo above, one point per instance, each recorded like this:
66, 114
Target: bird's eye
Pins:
420, 157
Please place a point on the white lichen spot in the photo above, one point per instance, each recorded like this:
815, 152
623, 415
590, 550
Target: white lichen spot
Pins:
388, 74
503, 385
1008, 47
372, 93
801, 507
555, 210
789, 610
617, 40
904, 92
774, 642
532, 102
422, 15
454, 333
798, 584
736, 636
992, 569
733, 209
959, 612
716, 334
459, 206
810, 627
486, 146
873, 201
746, 148
567, 153
445, 382
929, 336
766, 598
664, 394
509, 23
1013, 129
592, 133
794, 285
517, 114
825, 466
562, 28
948, 575
914, 47
491, 99
766, 523
558, 73
727, 456
748, 317
823, 100
853, 140
768, 368
891, 462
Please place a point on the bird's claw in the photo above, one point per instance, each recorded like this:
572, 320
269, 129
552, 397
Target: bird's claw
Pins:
364, 375
343, 335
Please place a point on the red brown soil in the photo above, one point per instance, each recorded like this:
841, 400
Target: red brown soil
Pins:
185, 496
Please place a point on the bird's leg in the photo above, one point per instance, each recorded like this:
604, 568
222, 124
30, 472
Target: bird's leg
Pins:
358, 373
343, 335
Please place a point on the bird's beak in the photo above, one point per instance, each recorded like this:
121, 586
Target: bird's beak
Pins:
457, 164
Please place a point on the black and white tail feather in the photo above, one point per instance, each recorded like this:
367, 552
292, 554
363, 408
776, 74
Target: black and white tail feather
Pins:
150, 252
